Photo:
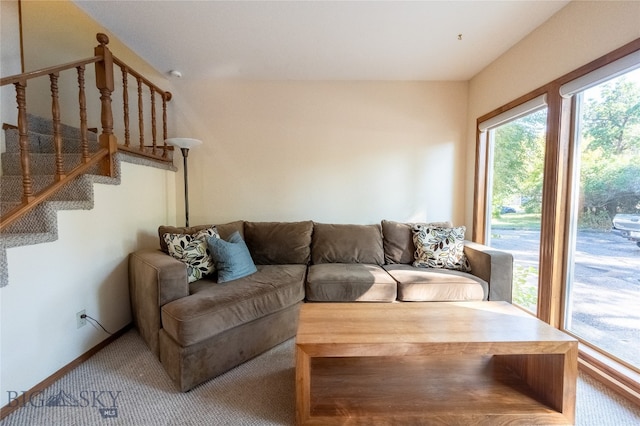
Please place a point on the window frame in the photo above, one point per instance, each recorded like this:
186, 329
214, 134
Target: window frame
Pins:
555, 223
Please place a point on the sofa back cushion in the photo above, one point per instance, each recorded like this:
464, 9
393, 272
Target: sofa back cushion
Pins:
279, 243
398, 241
225, 231
338, 243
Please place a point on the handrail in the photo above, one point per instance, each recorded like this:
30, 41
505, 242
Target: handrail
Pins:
46, 71
137, 75
104, 82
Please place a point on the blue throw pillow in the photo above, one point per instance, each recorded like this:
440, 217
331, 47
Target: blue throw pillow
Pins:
232, 257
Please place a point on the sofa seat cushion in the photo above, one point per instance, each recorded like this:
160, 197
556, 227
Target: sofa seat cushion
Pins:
436, 285
212, 308
349, 282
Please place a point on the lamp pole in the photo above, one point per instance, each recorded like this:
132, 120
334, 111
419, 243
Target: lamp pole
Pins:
184, 144
185, 154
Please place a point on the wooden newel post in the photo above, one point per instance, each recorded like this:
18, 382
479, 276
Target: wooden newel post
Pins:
104, 83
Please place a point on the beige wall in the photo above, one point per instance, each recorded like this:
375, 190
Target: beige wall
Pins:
85, 268
48, 41
576, 35
56, 32
343, 152
9, 61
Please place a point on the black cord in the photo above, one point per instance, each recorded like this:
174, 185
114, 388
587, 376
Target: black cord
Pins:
97, 322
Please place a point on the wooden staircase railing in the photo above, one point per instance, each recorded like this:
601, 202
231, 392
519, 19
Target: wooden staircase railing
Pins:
104, 73
158, 152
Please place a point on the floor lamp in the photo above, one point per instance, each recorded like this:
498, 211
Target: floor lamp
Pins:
185, 144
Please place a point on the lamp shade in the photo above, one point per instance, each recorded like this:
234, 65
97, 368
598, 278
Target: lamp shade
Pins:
187, 143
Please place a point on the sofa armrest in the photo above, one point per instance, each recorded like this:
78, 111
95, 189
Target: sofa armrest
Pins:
493, 266
155, 279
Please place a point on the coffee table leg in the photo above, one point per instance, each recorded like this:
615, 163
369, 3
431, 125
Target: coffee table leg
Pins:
303, 386
551, 376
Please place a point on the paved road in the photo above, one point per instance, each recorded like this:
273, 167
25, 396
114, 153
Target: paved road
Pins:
605, 307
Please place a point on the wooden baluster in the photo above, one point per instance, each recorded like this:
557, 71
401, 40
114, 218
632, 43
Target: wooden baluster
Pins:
104, 83
21, 100
57, 136
140, 115
153, 120
165, 98
125, 100
82, 100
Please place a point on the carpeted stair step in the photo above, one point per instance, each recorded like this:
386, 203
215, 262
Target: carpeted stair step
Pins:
12, 141
41, 220
41, 164
69, 145
11, 186
7, 206
44, 143
44, 126
79, 189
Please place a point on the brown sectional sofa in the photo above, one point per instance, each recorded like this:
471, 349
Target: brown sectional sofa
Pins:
203, 329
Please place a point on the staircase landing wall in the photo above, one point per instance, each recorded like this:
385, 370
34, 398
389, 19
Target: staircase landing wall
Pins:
10, 60
86, 268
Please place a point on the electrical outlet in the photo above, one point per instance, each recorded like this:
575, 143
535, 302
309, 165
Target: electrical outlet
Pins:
80, 320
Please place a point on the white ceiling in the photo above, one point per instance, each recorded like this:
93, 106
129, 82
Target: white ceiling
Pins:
321, 40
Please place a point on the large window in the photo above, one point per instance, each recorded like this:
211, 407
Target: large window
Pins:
515, 204
603, 283
570, 211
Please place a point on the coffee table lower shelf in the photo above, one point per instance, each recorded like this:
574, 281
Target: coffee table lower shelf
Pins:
466, 389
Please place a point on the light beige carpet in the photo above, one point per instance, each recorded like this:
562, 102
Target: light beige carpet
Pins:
259, 392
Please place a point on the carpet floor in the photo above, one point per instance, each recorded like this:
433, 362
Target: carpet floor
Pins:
124, 384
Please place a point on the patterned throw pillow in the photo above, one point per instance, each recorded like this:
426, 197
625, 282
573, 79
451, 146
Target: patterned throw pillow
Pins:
193, 251
440, 247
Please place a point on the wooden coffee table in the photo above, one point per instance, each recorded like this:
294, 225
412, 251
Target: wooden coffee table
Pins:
432, 363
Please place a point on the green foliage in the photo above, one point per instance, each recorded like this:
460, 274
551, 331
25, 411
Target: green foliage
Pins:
610, 169
525, 294
613, 121
595, 220
611, 184
518, 160
516, 221
533, 205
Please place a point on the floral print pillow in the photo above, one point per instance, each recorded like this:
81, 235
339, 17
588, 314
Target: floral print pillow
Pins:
193, 251
440, 247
